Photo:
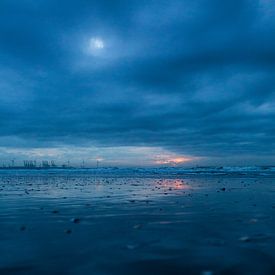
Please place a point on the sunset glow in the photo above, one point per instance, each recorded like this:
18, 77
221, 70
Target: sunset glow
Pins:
173, 160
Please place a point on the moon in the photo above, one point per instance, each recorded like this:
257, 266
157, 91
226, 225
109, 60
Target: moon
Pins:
96, 43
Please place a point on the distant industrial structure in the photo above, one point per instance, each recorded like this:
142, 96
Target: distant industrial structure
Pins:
33, 164
29, 163
44, 164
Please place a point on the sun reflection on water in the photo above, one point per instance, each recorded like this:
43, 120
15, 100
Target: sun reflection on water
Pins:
173, 184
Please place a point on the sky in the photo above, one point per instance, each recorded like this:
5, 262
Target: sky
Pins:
138, 82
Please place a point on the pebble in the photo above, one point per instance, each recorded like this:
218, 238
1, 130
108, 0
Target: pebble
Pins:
23, 228
75, 220
137, 226
255, 238
253, 221
245, 239
131, 246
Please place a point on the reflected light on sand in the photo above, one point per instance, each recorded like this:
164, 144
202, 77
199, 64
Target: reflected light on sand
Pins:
175, 184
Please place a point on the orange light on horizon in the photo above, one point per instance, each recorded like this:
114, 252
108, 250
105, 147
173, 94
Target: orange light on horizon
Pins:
173, 161
180, 160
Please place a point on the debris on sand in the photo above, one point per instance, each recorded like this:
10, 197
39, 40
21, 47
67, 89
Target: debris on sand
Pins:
137, 226
131, 246
245, 239
23, 228
75, 220
255, 238
253, 221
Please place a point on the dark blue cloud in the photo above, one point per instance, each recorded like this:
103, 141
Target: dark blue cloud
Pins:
193, 77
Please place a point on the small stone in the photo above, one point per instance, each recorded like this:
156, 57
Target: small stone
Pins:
68, 231
245, 239
137, 226
23, 228
131, 246
75, 220
255, 238
223, 189
55, 211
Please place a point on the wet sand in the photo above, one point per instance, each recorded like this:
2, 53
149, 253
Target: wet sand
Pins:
86, 224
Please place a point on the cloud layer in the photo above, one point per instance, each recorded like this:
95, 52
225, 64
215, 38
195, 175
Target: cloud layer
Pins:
195, 78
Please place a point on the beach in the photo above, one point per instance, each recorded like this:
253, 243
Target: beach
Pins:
137, 223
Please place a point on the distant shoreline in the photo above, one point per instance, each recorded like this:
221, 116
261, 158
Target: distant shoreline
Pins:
37, 168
